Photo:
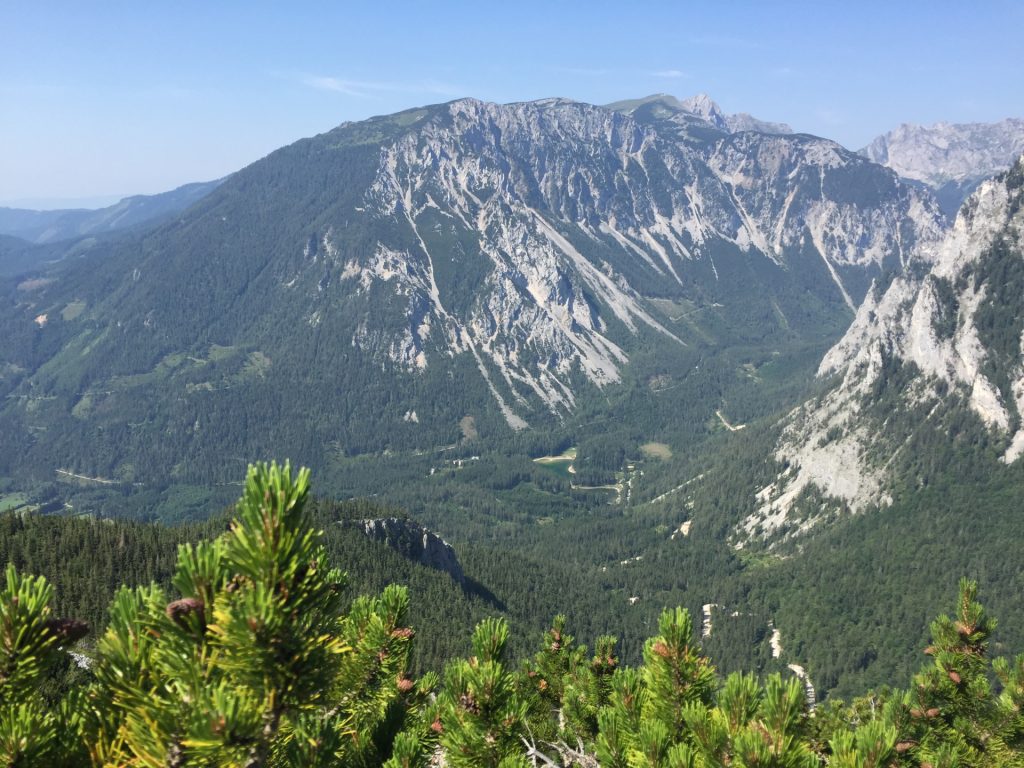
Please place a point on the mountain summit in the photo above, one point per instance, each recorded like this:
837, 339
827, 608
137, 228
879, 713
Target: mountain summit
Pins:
704, 108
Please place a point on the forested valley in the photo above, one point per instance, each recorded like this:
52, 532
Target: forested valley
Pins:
252, 653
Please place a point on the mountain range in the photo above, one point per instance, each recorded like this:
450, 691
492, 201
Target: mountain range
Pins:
30, 239
678, 352
528, 252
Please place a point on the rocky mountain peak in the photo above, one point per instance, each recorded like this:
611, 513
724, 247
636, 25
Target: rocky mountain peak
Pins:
704, 106
945, 152
950, 158
947, 334
701, 109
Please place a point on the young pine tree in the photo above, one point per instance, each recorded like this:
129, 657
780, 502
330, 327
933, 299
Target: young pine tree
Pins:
255, 664
482, 712
950, 718
31, 639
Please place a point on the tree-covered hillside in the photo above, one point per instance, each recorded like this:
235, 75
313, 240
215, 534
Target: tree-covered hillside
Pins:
253, 657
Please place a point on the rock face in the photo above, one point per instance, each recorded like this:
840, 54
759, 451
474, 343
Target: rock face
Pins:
571, 214
414, 542
951, 159
701, 105
948, 333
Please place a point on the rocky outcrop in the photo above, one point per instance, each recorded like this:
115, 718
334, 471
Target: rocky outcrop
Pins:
703, 108
954, 324
413, 541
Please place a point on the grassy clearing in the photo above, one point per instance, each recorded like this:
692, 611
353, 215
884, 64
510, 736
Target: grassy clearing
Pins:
468, 426
72, 310
656, 451
569, 454
83, 407
34, 284
218, 353
9, 501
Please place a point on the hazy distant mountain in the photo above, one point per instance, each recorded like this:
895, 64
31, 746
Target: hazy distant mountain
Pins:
951, 159
18, 256
373, 285
52, 226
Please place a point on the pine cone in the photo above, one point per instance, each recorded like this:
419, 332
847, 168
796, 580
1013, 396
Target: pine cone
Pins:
903, 746
933, 712
180, 609
468, 703
66, 630
403, 633
955, 677
405, 684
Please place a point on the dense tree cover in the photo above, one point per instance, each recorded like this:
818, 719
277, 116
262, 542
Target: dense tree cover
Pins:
534, 542
252, 658
851, 607
86, 560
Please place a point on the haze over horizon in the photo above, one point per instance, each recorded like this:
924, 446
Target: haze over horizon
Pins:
141, 99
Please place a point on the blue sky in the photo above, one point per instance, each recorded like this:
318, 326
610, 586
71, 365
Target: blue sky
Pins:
104, 99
